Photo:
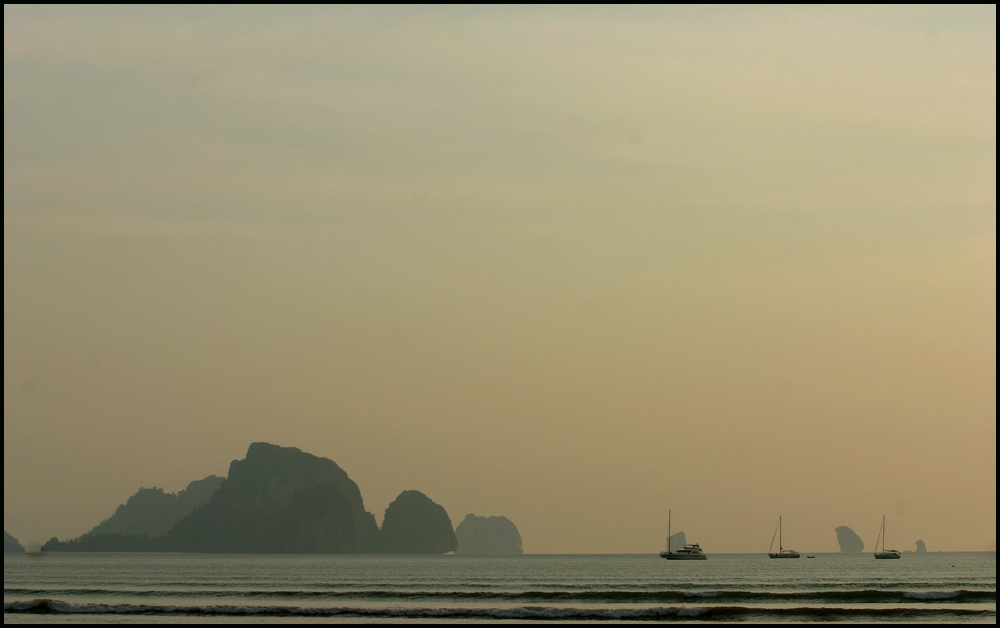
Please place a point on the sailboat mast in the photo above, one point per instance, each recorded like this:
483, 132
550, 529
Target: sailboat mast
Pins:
669, 551
781, 546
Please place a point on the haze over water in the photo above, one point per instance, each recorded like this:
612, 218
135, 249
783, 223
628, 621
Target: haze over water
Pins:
198, 588
574, 266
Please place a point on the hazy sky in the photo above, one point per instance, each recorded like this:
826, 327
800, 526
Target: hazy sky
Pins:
575, 266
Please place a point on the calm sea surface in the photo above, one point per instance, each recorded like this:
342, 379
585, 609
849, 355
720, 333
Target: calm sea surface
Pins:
189, 588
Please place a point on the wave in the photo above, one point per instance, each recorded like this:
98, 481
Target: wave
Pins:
731, 613
617, 596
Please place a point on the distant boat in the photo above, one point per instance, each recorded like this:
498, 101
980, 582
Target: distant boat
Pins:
691, 551
782, 552
884, 553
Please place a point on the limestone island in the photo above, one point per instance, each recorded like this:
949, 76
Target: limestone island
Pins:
275, 500
488, 536
850, 542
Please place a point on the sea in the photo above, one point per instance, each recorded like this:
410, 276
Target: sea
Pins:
935, 587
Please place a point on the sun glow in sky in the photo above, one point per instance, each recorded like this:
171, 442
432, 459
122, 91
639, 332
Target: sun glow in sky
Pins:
574, 266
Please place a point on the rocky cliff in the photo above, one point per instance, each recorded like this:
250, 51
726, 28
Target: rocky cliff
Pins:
280, 499
414, 524
487, 535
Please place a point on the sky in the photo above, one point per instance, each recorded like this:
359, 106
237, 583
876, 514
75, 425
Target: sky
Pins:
577, 266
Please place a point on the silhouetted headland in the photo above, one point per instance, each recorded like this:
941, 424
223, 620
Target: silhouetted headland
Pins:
152, 512
488, 535
11, 545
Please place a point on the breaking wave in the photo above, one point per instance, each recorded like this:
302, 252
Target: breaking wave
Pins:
722, 612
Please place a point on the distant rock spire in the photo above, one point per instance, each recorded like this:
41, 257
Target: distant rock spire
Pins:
677, 541
850, 542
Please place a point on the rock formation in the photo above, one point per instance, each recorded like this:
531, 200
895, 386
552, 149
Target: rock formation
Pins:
921, 548
414, 524
11, 545
276, 500
138, 523
677, 541
152, 512
850, 542
487, 535
280, 499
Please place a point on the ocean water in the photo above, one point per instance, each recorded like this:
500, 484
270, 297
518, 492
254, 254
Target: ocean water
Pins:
750, 588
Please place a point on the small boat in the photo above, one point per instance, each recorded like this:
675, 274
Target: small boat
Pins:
691, 551
884, 553
782, 552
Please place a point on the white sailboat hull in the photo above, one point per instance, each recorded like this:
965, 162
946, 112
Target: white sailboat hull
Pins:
888, 554
680, 555
782, 552
785, 554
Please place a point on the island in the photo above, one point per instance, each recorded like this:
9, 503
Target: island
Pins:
275, 500
11, 545
850, 542
488, 536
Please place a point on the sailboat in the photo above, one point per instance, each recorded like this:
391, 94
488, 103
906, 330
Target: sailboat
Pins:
782, 552
691, 551
884, 553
